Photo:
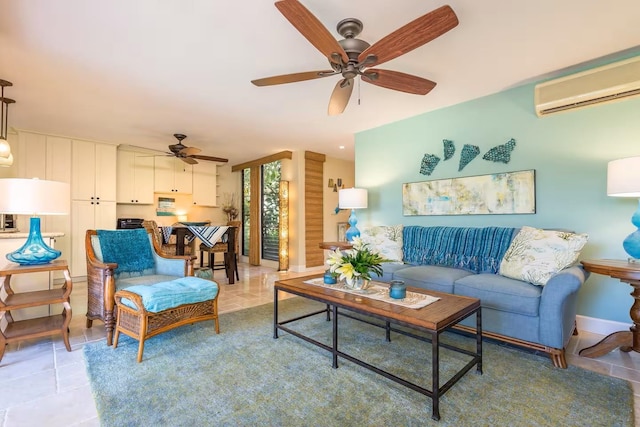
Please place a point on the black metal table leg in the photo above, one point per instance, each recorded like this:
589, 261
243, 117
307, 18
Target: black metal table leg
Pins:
275, 313
328, 312
479, 340
335, 336
435, 379
387, 329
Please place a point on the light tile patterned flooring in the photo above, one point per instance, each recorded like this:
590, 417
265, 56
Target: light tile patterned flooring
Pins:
43, 384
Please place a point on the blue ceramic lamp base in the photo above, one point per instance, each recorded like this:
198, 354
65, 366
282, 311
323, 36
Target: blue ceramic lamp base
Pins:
352, 231
35, 251
632, 243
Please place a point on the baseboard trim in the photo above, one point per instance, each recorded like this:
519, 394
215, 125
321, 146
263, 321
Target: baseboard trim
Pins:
600, 326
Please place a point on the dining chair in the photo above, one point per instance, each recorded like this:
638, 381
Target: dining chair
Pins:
223, 248
169, 248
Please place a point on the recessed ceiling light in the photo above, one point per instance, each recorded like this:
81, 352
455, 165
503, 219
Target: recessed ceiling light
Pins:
341, 147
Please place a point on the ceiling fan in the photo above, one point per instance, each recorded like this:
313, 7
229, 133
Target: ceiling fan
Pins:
190, 154
352, 57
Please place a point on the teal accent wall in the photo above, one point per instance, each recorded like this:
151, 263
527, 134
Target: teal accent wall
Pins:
569, 152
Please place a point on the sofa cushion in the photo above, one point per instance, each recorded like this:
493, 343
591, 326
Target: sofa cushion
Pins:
386, 239
388, 270
431, 277
535, 255
500, 293
477, 249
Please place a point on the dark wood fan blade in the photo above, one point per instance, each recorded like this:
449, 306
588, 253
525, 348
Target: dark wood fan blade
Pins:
189, 160
188, 151
398, 81
210, 158
312, 29
292, 78
413, 35
340, 96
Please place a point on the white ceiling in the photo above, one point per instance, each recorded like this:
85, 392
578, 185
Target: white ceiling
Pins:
136, 72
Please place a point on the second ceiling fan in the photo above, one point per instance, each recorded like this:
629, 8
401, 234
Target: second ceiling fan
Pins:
352, 57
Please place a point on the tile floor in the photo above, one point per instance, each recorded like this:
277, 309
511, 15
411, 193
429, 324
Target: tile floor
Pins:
43, 384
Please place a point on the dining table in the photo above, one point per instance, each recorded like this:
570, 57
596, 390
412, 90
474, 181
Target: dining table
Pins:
209, 235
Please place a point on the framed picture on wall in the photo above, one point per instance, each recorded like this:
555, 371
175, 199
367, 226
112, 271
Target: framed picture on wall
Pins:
342, 231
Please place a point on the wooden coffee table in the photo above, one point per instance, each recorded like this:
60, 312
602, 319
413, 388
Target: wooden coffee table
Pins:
433, 319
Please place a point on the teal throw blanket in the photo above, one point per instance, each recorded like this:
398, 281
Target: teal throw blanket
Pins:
130, 249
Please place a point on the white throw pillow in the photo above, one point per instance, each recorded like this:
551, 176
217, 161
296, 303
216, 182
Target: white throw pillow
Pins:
535, 255
386, 239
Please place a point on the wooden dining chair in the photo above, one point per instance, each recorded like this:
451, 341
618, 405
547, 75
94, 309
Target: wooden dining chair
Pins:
223, 248
168, 248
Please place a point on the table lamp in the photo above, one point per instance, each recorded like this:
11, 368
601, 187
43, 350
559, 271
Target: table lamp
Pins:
352, 198
34, 197
623, 180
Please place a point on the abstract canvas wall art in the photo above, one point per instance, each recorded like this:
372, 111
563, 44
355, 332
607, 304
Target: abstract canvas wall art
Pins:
500, 193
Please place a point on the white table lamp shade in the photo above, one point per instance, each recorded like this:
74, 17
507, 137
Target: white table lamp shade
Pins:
34, 197
352, 198
623, 177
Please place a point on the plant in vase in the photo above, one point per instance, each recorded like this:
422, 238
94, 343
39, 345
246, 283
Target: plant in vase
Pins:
356, 265
229, 206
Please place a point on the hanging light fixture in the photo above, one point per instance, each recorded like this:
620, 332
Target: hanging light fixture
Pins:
6, 158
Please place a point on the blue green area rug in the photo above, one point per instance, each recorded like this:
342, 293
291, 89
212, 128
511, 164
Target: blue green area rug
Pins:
243, 377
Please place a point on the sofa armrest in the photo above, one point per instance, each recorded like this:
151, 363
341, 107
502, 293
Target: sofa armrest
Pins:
558, 306
174, 265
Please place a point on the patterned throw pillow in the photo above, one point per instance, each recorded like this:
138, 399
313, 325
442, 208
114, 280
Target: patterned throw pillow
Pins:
386, 239
535, 255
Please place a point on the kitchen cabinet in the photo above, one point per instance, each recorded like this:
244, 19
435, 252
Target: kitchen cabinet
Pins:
135, 174
93, 195
93, 171
47, 157
88, 215
205, 184
172, 175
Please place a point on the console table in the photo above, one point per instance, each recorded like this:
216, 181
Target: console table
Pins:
627, 272
40, 326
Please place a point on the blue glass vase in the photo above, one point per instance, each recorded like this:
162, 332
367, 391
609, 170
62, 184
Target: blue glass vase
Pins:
35, 251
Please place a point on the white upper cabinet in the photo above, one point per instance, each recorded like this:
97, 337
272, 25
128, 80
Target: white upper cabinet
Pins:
172, 175
204, 183
93, 169
135, 176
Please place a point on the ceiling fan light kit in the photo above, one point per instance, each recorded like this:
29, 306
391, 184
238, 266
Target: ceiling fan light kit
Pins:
352, 57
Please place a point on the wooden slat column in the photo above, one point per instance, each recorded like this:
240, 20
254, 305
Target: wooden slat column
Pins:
254, 217
313, 208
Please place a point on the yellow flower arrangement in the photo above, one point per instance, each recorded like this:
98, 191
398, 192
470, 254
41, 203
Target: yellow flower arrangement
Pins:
359, 261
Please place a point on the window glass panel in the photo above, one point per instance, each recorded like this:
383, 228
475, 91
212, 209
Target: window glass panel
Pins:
271, 175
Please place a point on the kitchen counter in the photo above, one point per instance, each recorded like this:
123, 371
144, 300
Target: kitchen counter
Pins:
21, 235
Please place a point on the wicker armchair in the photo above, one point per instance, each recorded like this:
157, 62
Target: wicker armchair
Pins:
102, 282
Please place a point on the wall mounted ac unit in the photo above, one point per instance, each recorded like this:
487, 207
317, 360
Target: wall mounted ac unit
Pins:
612, 82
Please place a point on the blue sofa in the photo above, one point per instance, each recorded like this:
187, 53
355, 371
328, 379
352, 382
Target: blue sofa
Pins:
466, 261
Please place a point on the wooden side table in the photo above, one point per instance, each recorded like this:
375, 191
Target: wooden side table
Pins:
41, 326
627, 272
332, 246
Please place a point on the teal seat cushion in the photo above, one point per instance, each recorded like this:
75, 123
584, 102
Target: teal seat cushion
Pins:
165, 295
150, 279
